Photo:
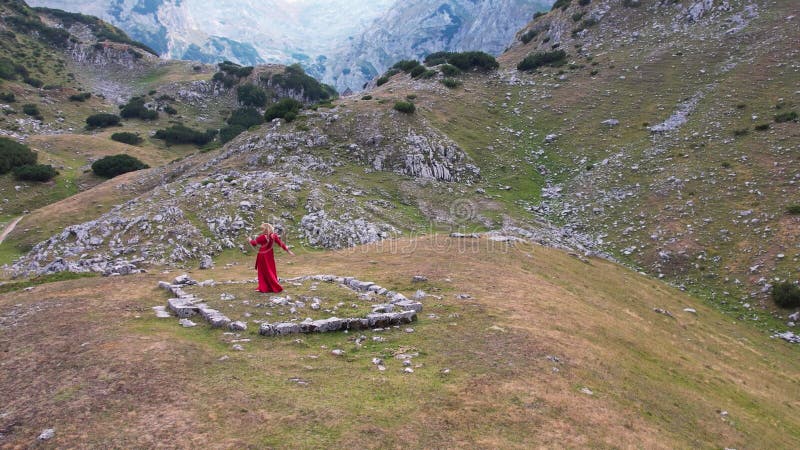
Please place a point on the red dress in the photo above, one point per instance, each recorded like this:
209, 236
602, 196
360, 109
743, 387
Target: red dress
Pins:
265, 262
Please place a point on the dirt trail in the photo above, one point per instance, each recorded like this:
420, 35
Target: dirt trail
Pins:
9, 228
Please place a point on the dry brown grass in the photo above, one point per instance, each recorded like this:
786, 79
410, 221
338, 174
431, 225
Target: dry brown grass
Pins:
94, 364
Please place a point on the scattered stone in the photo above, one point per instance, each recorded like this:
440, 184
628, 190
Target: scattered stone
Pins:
223, 358
161, 312
610, 123
377, 361
690, 310
47, 434
408, 370
237, 347
186, 323
409, 330
419, 279
587, 391
237, 326
445, 371
664, 312
337, 352
227, 297
206, 262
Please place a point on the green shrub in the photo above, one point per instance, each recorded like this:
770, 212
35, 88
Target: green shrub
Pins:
170, 110
246, 118
739, 132
111, 166
762, 127
417, 71
631, 3
35, 82
366, 97
405, 107
286, 108
181, 134
228, 133
451, 83
135, 109
251, 95
473, 60
788, 116
434, 59
538, 14
234, 69
406, 65
35, 172
450, 70
590, 22
528, 36
102, 120
536, 60
382, 80
577, 16
793, 210
584, 2
786, 295
127, 138
563, 4
82, 97
7, 97
294, 78
32, 110
13, 154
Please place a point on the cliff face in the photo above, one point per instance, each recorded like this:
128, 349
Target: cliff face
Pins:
414, 29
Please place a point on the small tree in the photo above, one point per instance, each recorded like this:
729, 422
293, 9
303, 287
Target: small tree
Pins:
251, 95
82, 97
135, 109
35, 172
111, 166
32, 110
536, 60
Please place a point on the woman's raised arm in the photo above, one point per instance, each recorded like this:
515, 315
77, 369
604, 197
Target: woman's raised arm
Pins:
280, 242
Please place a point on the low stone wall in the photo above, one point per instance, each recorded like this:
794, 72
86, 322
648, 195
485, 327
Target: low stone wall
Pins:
398, 309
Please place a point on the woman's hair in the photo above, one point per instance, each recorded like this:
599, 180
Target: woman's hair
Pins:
267, 228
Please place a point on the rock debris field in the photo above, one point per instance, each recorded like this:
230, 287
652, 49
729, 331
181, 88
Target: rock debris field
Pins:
233, 305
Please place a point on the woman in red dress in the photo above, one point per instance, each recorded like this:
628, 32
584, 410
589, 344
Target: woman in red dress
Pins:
265, 261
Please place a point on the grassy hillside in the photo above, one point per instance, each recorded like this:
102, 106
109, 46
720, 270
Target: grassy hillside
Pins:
511, 366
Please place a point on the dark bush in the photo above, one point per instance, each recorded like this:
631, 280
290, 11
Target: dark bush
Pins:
366, 97
793, 210
382, 80
406, 65
417, 71
473, 60
405, 107
170, 110
32, 110
285, 108
127, 138
82, 97
538, 14
739, 132
762, 127
7, 97
450, 70
584, 2
536, 60
631, 3
228, 133
563, 4
786, 295
528, 36
35, 82
251, 95
135, 109
246, 118
234, 69
434, 59
181, 134
103, 30
788, 116
577, 16
13, 154
451, 83
35, 172
294, 78
111, 166
102, 120
590, 22
392, 72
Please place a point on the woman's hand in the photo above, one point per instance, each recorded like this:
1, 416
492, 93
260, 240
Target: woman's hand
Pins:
292, 253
